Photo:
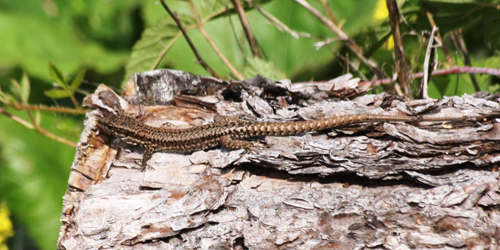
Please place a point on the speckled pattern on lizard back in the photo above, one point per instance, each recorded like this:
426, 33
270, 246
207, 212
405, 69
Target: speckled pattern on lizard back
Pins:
227, 132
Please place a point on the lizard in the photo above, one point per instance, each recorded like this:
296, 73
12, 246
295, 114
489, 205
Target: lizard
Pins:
227, 131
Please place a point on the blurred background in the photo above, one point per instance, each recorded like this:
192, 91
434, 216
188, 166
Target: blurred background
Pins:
54, 52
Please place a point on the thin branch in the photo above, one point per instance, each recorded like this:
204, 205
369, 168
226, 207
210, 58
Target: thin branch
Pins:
401, 66
37, 128
452, 70
350, 64
198, 57
75, 102
329, 11
212, 43
246, 26
51, 109
343, 36
449, 71
277, 23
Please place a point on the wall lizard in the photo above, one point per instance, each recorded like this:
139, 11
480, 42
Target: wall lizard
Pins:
228, 132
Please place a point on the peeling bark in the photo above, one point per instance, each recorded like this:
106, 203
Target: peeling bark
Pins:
426, 185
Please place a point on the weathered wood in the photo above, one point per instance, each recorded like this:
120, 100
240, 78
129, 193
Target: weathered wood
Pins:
381, 186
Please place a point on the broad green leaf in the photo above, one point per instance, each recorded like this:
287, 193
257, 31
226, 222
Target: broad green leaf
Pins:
77, 81
58, 93
450, 15
484, 81
298, 58
57, 75
158, 39
459, 84
256, 66
31, 37
440, 85
154, 44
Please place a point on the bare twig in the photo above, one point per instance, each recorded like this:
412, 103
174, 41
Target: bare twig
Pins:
429, 62
452, 70
37, 128
401, 66
449, 71
51, 109
209, 39
198, 57
457, 36
343, 36
246, 26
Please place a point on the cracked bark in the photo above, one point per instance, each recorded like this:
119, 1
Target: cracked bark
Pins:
380, 186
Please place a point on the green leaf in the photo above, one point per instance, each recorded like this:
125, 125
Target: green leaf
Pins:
440, 85
153, 45
57, 75
256, 66
452, 14
58, 93
38, 117
25, 89
3, 96
15, 88
21, 91
158, 39
77, 81
491, 20
72, 34
7, 98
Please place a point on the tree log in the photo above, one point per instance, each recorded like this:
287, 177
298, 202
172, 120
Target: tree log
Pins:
424, 185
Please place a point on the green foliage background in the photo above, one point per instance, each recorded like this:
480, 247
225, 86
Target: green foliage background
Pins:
113, 39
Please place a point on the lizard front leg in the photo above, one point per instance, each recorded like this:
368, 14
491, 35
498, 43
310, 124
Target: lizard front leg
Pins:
148, 153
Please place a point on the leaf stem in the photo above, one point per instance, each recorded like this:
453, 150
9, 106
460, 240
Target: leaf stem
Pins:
343, 36
37, 128
193, 48
51, 109
212, 43
246, 26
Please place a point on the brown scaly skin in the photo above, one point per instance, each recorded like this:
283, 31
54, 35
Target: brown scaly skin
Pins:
227, 131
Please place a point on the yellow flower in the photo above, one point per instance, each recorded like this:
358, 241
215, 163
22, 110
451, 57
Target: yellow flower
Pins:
380, 14
6, 229
381, 11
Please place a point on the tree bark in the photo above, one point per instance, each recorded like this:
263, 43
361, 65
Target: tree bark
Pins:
368, 185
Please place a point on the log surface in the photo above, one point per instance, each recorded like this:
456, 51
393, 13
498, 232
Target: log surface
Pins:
428, 185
